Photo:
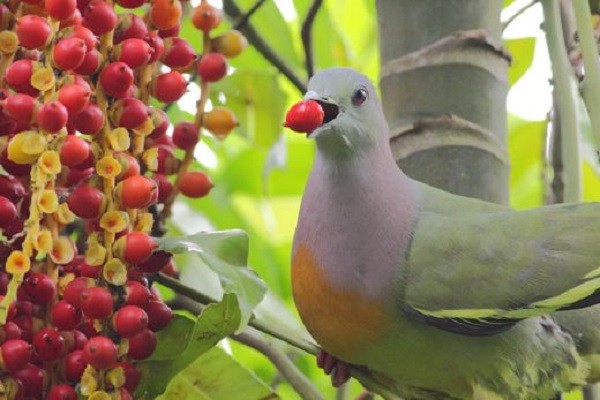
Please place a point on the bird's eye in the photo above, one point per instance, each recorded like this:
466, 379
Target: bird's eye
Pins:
359, 96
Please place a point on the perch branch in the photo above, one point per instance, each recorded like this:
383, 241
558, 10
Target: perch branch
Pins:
285, 366
362, 374
305, 33
233, 11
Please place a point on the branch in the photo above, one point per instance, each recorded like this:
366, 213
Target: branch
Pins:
201, 298
566, 93
365, 377
234, 12
306, 35
285, 366
518, 13
244, 19
591, 62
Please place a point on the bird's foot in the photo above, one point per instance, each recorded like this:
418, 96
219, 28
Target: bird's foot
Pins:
337, 369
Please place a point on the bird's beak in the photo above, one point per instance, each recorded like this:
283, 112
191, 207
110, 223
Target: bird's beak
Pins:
330, 108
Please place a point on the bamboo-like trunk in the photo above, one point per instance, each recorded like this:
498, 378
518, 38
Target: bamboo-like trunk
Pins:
444, 86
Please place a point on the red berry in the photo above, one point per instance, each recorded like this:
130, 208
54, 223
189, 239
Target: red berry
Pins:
69, 53
90, 64
178, 53
305, 116
16, 353
65, 316
77, 176
100, 17
206, 17
48, 344
142, 345
130, 26
137, 247
132, 375
129, 112
18, 77
9, 331
12, 188
20, 107
212, 67
185, 135
8, 212
195, 184
131, 3
74, 366
116, 78
86, 202
134, 52
165, 187
90, 120
100, 352
60, 9
137, 294
169, 87
87, 36
62, 392
74, 151
73, 291
137, 191
75, 97
39, 288
169, 33
33, 31
52, 116
159, 315
157, 44
129, 165
96, 302
130, 320
156, 262
33, 379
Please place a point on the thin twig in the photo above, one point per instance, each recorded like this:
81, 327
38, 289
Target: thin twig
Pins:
305, 33
517, 14
566, 94
246, 17
234, 12
286, 367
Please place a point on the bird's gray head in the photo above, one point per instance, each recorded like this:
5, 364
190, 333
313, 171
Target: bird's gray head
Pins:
354, 120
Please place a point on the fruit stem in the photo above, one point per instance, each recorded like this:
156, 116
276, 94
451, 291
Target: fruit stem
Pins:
189, 153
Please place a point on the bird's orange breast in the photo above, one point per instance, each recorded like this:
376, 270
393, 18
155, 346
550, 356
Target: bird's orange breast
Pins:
343, 321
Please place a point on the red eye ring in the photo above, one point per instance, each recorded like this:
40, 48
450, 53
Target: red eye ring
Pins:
359, 96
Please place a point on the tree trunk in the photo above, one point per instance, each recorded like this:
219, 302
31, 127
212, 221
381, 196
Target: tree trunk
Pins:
444, 86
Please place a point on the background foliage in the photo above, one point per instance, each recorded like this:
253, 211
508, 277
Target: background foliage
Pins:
260, 171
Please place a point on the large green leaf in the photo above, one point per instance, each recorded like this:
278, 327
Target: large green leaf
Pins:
226, 253
183, 341
216, 376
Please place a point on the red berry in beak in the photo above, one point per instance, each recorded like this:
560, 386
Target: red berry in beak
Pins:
304, 116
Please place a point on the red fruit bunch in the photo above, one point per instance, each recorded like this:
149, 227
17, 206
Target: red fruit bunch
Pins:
90, 174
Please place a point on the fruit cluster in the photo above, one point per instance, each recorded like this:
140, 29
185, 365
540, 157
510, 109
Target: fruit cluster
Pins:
88, 172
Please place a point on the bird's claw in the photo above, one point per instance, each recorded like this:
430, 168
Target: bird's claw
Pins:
337, 369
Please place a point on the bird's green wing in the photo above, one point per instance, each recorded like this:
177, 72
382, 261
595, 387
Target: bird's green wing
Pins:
478, 269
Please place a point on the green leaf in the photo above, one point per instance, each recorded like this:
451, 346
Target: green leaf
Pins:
216, 375
214, 323
226, 253
173, 340
521, 51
